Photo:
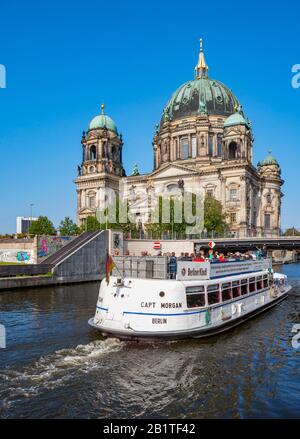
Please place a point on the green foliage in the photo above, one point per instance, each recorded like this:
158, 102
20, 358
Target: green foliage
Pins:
292, 231
91, 224
68, 228
214, 218
43, 226
113, 213
157, 225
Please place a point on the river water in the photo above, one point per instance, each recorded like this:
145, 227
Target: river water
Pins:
55, 366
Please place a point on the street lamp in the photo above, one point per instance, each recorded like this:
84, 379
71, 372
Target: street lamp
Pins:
30, 218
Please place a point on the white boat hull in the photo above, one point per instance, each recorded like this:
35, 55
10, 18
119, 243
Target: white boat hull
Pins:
137, 311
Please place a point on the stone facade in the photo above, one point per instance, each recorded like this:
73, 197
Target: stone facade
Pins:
203, 143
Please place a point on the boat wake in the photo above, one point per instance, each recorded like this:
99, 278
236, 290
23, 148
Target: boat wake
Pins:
52, 371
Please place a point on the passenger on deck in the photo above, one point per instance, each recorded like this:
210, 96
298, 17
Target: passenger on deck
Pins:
185, 257
221, 257
259, 254
199, 257
172, 266
210, 255
264, 251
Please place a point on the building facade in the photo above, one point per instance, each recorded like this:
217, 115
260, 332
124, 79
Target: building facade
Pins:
203, 142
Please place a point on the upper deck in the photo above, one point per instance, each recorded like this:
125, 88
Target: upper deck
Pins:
164, 267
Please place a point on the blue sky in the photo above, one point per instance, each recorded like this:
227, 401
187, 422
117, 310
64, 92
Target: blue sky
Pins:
63, 58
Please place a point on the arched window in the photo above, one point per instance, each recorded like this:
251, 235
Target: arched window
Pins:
91, 200
210, 191
93, 152
172, 189
184, 148
233, 193
232, 151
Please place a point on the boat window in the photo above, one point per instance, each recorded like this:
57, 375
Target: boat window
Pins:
235, 289
266, 283
252, 285
197, 289
226, 292
213, 297
259, 283
211, 288
213, 294
194, 300
195, 296
244, 286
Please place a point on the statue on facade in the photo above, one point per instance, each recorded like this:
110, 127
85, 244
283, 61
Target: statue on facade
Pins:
181, 185
202, 108
79, 171
135, 170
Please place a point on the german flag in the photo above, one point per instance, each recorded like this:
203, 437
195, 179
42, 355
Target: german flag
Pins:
109, 266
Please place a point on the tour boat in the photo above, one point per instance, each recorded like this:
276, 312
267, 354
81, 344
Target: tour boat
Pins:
140, 301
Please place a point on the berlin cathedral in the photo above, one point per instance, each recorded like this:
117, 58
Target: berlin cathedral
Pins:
204, 141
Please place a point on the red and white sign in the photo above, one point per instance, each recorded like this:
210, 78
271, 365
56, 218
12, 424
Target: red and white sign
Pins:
211, 244
157, 245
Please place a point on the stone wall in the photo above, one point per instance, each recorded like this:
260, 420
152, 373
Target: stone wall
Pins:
48, 245
87, 262
18, 251
31, 251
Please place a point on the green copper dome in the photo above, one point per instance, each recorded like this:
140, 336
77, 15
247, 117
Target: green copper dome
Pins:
235, 119
103, 121
270, 160
200, 96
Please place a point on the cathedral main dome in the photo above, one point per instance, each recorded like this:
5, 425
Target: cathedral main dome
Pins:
200, 96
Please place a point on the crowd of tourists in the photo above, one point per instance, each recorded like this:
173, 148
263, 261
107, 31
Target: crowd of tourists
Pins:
212, 256
215, 256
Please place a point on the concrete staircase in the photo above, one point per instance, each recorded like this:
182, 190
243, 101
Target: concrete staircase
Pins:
70, 248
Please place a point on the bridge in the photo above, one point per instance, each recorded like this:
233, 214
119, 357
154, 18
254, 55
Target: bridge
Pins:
251, 243
187, 243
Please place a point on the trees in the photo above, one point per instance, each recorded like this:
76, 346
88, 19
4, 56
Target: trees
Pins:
163, 218
114, 221
42, 226
68, 228
292, 231
91, 225
214, 218
171, 216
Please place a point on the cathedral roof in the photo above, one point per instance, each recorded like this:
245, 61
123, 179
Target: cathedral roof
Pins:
103, 121
200, 96
270, 160
236, 119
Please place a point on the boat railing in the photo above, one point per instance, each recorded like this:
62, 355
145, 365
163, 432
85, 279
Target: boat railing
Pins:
168, 267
